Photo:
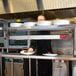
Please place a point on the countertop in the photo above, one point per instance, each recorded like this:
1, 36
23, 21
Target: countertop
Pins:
58, 57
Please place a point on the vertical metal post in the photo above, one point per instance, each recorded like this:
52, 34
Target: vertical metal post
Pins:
12, 67
36, 67
40, 5
6, 6
2, 50
2, 66
74, 41
7, 50
29, 67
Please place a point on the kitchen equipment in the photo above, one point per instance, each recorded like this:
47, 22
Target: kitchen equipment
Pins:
61, 22
60, 69
15, 24
1, 30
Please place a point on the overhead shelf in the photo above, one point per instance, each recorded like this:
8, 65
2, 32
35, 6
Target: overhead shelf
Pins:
39, 37
40, 28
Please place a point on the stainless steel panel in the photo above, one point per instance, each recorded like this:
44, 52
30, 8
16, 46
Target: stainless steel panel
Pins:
73, 68
57, 4
22, 5
7, 69
62, 46
75, 41
17, 69
60, 69
2, 10
35, 37
41, 28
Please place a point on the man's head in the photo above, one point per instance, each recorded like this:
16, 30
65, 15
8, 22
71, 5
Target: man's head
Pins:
41, 18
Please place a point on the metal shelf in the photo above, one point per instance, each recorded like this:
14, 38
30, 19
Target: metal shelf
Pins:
39, 37
41, 28
35, 37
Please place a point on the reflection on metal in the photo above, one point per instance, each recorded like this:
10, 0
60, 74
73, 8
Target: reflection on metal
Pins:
22, 5
40, 4
10, 6
13, 6
35, 37
58, 4
2, 10
6, 6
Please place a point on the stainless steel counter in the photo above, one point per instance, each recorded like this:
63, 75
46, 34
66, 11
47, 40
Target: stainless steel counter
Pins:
59, 57
30, 57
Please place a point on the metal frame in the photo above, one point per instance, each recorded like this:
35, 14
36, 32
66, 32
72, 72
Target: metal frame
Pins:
69, 58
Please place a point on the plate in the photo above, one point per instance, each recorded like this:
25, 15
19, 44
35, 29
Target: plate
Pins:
50, 54
15, 24
27, 24
25, 52
61, 22
44, 23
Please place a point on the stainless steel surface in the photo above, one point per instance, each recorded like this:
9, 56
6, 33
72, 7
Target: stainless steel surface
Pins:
35, 37
22, 6
58, 45
75, 42
2, 11
57, 4
4, 39
40, 4
35, 5
15, 69
60, 69
12, 67
6, 6
36, 67
41, 28
29, 67
1, 28
73, 68
62, 46
14, 6
0, 66
59, 57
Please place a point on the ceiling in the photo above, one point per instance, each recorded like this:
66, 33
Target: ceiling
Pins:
49, 14
12, 9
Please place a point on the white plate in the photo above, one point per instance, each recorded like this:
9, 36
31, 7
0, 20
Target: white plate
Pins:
50, 54
61, 22
15, 24
27, 53
44, 23
27, 24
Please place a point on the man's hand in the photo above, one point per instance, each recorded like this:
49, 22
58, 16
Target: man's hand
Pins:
30, 49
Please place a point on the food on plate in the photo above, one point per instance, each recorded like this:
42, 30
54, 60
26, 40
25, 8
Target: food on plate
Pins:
30, 50
49, 53
25, 51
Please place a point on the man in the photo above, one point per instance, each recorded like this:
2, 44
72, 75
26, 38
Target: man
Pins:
41, 46
44, 46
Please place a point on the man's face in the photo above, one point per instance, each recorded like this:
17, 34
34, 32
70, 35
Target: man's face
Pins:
41, 18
